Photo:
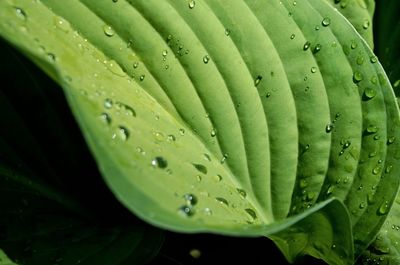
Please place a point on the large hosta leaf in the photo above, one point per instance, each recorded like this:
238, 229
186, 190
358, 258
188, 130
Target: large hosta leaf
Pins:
236, 117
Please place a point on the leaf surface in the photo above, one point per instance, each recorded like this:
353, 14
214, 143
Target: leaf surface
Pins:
238, 118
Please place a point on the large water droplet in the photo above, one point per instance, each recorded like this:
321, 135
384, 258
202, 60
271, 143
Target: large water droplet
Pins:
242, 192
384, 208
313, 69
366, 24
377, 170
190, 199
108, 31
306, 46
326, 22
123, 133
372, 129
105, 118
206, 59
369, 93
192, 4
186, 211
357, 77
108, 103
222, 201
159, 162
373, 59
201, 168
251, 213
20, 13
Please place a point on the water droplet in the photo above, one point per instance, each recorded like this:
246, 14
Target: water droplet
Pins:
388, 169
373, 59
105, 118
135, 65
317, 48
213, 132
268, 95
257, 80
123, 133
366, 24
310, 195
371, 198
360, 60
200, 168
377, 170
251, 213
292, 36
159, 162
329, 128
164, 53
303, 183
20, 13
353, 45
330, 190
377, 137
224, 158
141, 78
186, 211
192, 4
317, 27
108, 30
362, 205
217, 178
206, 59
61, 23
227, 32
108, 103
313, 69
357, 77
384, 208
391, 140
326, 22
306, 46
222, 201
396, 84
242, 192
207, 211
207, 157
369, 93
195, 253
182, 131
190, 199
372, 129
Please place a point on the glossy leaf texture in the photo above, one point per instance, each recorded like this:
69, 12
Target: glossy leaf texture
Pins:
360, 14
237, 117
41, 221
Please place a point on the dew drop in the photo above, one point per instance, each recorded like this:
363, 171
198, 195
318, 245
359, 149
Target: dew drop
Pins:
373, 59
303, 183
141, 78
20, 13
201, 168
310, 195
164, 53
206, 59
326, 22
369, 93
317, 48
396, 84
227, 32
61, 23
213, 132
192, 4
195, 253
377, 170
217, 178
135, 65
371, 198
190, 199
330, 190
105, 118
384, 208
377, 137
182, 131
306, 46
366, 24
123, 133
391, 140
207, 157
242, 192
222, 201
362, 205
292, 36
329, 128
224, 158
360, 60
353, 45
257, 80
108, 31
207, 211
159, 162
388, 169
357, 77
251, 213
313, 69
108, 103
372, 129
186, 211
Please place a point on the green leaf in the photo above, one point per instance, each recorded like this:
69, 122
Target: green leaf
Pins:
4, 260
238, 118
39, 222
360, 14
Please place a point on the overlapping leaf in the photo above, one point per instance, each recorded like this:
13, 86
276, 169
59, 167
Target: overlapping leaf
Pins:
227, 117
